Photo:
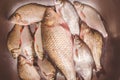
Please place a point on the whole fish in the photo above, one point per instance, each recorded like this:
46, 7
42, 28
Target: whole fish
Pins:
84, 62
91, 17
28, 14
57, 43
13, 41
27, 45
47, 69
67, 11
26, 70
94, 41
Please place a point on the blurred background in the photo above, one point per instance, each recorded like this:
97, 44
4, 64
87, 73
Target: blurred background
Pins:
109, 10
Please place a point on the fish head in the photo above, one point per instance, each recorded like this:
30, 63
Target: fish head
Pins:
21, 60
84, 29
78, 5
77, 44
50, 17
16, 18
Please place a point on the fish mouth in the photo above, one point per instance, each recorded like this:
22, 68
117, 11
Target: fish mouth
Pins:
21, 56
24, 60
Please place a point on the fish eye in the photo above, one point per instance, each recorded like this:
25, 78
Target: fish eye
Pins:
48, 14
17, 16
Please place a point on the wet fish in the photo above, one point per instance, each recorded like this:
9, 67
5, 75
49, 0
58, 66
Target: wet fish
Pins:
38, 41
28, 14
57, 43
91, 17
27, 45
94, 40
67, 11
26, 70
84, 62
47, 69
13, 41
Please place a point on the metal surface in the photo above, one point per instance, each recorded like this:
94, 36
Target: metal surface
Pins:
109, 10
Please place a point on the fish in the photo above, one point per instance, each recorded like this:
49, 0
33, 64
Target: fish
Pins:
48, 71
26, 70
57, 43
92, 18
38, 41
94, 40
28, 14
63, 7
83, 59
13, 40
27, 45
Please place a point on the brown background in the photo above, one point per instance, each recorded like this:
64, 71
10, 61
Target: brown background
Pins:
109, 10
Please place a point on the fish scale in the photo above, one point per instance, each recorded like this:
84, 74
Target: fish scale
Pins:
58, 45
95, 42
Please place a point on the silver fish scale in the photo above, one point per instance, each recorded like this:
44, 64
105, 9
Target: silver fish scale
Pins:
59, 47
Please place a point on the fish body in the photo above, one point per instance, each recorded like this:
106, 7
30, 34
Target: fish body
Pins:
47, 69
94, 41
84, 62
28, 14
57, 43
13, 41
27, 45
67, 11
38, 41
91, 17
26, 70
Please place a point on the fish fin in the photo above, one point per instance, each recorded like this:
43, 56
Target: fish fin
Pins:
36, 28
21, 30
65, 26
83, 15
81, 36
20, 34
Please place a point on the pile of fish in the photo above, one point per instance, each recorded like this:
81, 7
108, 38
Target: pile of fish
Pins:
60, 42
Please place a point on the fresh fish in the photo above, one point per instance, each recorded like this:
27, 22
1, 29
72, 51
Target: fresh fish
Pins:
91, 17
27, 45
84, 62
26, 70
47, 69
57, 43
13, 41
59, 76
94, 41
28, 14
67, 11
38, 41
